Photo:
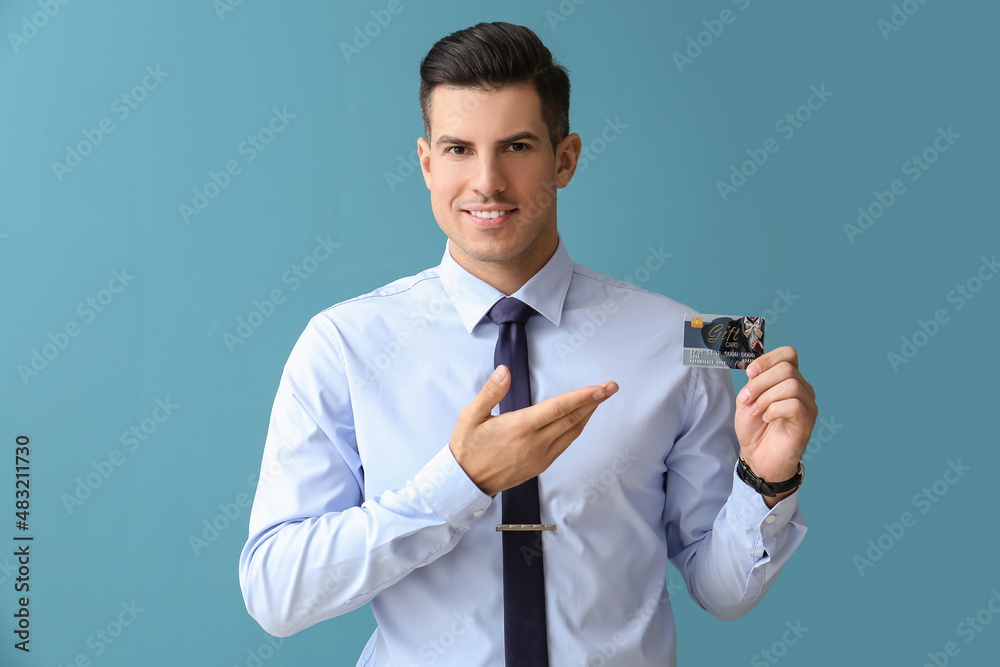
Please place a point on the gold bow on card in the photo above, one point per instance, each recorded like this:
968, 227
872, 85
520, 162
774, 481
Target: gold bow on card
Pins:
752, 324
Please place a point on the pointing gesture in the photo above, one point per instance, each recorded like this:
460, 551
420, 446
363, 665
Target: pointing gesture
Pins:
500, 452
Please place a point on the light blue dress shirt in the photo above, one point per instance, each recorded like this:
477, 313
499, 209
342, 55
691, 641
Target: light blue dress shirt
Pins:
361, 500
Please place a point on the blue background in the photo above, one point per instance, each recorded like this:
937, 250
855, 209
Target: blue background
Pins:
336, 171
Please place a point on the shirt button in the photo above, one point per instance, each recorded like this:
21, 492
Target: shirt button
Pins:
477, 513
770, 518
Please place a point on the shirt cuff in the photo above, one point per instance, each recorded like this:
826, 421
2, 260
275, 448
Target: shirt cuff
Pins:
769, 523
449, 491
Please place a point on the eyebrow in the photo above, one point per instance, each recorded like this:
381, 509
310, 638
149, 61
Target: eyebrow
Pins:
520, 136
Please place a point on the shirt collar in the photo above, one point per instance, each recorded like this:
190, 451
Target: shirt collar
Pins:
545, 291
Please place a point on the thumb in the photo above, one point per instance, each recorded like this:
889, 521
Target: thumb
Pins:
491, 394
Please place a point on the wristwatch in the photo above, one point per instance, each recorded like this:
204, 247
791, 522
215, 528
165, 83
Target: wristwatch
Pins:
769, 489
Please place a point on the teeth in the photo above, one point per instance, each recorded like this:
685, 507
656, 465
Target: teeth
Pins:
488, 215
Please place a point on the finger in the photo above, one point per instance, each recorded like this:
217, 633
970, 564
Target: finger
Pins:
809, 387
480, 408
559, 407
773, 358
780, 373
769, 378
568, 426
566, 438
787, 389
792, 409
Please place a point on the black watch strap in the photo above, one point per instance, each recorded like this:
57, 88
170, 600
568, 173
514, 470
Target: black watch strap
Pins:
769, 489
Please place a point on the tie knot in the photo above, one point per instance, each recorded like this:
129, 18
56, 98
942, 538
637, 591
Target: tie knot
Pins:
509, 309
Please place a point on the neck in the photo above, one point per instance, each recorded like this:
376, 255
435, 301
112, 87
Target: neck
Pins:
508, 276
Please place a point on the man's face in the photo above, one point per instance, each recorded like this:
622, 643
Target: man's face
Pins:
493, 176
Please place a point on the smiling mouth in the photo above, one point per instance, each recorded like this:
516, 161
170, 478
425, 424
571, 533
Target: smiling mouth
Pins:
489, 215
491, 219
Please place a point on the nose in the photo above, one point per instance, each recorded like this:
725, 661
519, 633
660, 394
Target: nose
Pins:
488, 178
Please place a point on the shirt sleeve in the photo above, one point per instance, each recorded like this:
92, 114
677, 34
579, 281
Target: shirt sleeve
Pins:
317, 548
727, 544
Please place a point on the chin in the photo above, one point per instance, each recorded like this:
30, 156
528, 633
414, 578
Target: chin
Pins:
488, 252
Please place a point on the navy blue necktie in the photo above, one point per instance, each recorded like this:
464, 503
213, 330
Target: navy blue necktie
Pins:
525, 634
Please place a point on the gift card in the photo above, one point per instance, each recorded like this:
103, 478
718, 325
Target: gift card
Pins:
722, 341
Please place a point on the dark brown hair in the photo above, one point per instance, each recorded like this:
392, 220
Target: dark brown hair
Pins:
490, 56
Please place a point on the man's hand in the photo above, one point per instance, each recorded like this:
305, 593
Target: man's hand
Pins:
500, 452
775, 414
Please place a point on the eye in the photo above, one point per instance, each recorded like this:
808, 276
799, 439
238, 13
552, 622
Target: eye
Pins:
518, 147
451, 149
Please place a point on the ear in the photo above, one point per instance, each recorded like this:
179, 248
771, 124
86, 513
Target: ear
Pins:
567, 156
424, 152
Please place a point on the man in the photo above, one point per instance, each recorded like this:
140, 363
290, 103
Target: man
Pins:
386, 463
742, 340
